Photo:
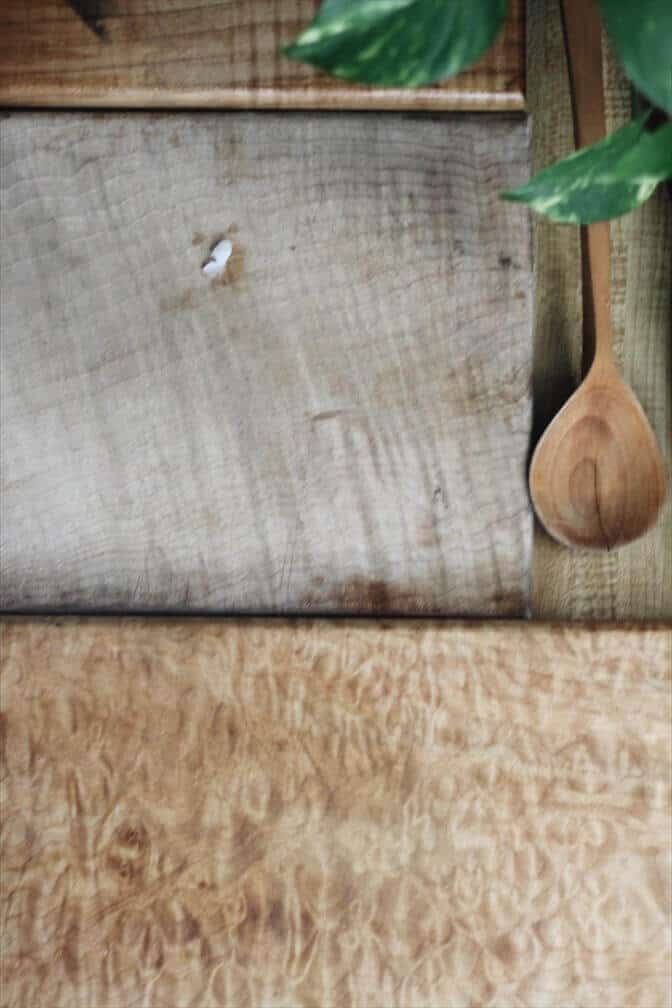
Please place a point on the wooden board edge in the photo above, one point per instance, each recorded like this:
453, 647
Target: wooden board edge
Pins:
346, 623
293, 99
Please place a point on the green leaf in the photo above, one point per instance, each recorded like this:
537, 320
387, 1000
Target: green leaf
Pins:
403, 43
602, 181
641, 31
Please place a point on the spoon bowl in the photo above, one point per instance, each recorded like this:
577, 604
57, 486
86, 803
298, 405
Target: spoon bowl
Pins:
597, 478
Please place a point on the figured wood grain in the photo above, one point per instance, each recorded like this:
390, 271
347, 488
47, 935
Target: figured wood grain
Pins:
223, 53
342, 424
239, 814
634, 582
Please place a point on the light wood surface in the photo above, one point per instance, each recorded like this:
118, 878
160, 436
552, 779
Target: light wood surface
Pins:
597, 479
222, 53
229, 814
340, 425
634, 582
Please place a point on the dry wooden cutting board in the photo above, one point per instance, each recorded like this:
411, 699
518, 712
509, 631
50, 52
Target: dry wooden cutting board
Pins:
239, 814
342, 424
211, 53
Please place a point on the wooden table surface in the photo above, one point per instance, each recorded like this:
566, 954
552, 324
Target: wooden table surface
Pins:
222, 53
245, 813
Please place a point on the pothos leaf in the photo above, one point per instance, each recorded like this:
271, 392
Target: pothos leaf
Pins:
602, 181
641, 32
403, 43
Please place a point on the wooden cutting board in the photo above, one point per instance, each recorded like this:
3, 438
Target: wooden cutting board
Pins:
340, 425
212, 53
228, 814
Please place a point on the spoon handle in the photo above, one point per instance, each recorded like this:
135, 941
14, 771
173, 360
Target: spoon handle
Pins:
583, 33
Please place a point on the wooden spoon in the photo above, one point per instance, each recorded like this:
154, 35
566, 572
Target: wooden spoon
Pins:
597, 478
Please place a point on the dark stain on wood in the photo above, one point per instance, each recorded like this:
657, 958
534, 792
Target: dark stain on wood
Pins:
364, 596
128, 853
235, 266
191, 929
508, 602
93, 14
276, 919
358, 594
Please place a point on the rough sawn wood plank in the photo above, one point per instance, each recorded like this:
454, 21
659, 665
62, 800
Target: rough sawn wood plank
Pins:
340, 425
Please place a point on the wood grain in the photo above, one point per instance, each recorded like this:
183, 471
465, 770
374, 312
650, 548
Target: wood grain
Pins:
232, 814
341, 425
634, 582
223, 53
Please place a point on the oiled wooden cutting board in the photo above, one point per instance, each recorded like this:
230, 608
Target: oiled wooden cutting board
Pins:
342, 424
210, 53
240, 814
